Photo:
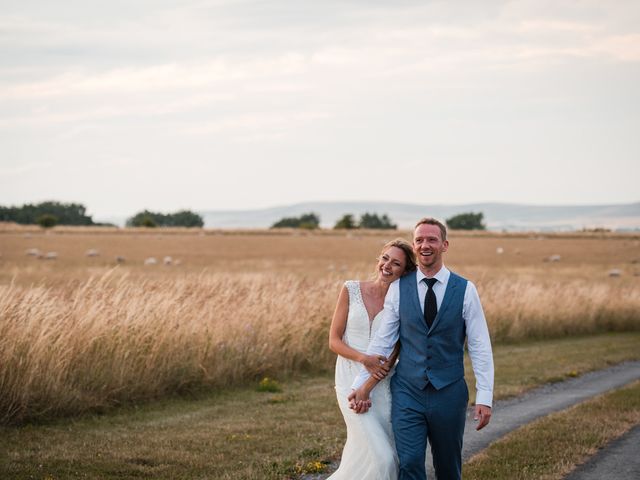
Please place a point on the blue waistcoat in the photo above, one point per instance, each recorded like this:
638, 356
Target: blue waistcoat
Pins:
431, 355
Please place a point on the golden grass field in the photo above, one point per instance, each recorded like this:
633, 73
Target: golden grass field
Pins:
81, 333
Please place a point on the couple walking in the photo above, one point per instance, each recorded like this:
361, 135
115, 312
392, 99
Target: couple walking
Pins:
420, 316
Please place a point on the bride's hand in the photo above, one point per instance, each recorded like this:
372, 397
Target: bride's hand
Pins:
359, 400
375, 366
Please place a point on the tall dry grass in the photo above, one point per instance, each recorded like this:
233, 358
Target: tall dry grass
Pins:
87, 345
113, 339
518, 310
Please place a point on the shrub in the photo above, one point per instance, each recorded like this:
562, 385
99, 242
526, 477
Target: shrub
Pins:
372, 220
466, 221
307, 220
269, 385
47, 220
347, 222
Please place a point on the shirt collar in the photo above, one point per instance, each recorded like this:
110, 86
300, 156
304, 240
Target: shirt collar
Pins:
442, 276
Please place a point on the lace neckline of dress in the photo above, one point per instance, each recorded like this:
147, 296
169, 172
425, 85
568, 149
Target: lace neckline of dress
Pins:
364, 305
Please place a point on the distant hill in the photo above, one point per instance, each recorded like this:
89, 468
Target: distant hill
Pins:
498, 216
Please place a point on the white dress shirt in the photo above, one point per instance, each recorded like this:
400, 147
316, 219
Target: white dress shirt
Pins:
478, 341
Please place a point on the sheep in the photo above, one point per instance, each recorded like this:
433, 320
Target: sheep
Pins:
34, 252
552, 258
167, 260
615, 272
499, 251
151, 261
92, 252
51, 256
120, 259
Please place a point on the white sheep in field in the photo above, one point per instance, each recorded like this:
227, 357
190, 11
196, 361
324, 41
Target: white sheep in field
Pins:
151, 261
34, 252
51, 256
167, 260
616, 272
92, 252
553, 258
499, 250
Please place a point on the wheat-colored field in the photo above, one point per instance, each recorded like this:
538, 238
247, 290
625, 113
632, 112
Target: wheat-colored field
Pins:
83, 332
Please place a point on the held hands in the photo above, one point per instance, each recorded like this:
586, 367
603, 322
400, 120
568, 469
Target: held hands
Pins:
482, 415
359, 400
375, 366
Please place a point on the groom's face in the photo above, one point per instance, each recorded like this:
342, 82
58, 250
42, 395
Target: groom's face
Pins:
429, 246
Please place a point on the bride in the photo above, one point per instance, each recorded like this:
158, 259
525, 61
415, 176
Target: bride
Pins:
369, 453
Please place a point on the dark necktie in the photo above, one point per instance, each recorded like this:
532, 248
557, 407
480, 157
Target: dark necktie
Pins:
430, 303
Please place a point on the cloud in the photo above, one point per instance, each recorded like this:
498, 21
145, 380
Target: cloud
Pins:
625, 48
25, 168
259, 125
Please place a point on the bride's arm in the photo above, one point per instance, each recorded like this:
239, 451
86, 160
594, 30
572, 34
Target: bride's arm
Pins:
373, 363
359, 399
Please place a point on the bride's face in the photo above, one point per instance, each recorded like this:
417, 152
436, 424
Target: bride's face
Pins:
391, 264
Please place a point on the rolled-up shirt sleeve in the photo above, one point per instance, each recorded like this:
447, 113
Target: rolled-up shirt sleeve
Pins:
479, 345
388, 333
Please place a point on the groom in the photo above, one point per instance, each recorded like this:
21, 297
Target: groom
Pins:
431, 311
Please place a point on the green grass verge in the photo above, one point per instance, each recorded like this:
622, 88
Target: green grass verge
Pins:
523, 366
247, 434
562, 440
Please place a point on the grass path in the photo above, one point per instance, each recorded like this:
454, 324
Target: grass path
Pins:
245, 434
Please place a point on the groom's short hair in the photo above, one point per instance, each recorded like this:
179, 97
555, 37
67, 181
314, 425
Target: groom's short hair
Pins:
433, 221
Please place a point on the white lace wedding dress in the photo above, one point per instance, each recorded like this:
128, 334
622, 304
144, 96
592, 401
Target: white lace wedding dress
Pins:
369, 453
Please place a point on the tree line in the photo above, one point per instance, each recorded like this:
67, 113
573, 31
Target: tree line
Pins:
312, 221
182, 218
462, 221
49, 214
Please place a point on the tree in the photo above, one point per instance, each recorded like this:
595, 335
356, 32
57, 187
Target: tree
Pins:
372, 220
65, 213
47, 220
147, 221
183, 218
186, 218
466, 221
306, 220
309, 221
347, 221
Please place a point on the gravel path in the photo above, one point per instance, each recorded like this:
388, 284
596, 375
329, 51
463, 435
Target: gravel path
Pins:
619, 460
513, 413
510, 414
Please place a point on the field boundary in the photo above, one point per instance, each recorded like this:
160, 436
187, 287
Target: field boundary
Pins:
14, 228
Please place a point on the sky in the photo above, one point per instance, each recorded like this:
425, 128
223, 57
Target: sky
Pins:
222, 105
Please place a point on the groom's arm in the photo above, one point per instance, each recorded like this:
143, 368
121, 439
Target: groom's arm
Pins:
480, 353
387, 335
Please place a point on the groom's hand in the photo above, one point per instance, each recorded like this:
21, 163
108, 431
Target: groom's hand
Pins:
482, 415
375, 366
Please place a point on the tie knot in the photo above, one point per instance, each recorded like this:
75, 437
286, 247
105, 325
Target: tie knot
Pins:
430, 282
